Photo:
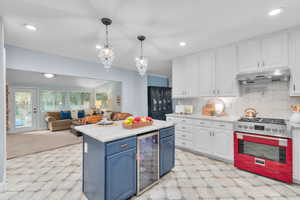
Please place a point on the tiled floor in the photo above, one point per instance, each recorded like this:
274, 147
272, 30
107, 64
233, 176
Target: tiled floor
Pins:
57, 175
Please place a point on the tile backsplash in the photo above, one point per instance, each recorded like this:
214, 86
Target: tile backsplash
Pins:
270, 100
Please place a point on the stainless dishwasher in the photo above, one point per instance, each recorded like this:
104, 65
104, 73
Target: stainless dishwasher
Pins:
147, 161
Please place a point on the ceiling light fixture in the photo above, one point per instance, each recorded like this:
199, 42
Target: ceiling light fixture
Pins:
182, 44
98, 46
275, 12
106, 53
48, 75
141, 62
30, 27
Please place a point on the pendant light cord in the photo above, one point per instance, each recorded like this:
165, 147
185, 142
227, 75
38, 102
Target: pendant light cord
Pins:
106, 35
142, 49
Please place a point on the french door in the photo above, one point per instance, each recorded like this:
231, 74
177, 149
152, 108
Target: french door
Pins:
24, 112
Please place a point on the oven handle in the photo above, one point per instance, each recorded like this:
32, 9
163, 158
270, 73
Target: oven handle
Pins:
282, 142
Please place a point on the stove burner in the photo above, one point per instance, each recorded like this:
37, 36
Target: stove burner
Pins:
263, 120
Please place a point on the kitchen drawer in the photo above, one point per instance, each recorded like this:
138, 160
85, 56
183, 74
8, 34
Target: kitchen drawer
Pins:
183, 143
120, 145
166, 132
203, 123
184, 121
223, 125
184, 127
184, 135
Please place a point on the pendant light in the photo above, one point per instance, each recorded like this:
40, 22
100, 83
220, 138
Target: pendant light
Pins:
106, 54
141, 62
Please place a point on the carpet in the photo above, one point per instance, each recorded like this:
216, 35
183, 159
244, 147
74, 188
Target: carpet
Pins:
21, 144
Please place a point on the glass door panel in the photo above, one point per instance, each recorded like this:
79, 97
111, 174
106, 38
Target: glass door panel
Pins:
24, 110
148, 161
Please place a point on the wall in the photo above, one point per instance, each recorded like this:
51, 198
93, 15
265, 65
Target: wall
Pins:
134, 87
2, 107
158, 81
270, 100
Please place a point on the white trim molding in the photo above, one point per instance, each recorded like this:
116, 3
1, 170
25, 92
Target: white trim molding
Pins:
2, 187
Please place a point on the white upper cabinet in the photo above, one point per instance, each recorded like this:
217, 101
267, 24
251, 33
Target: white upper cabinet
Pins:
225, 72
206, 73
261, 54
178, 79
248, 55
274, 51
192, 77
185, 79
295, 63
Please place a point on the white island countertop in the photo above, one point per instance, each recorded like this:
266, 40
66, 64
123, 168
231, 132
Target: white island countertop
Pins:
200, 116
115, 132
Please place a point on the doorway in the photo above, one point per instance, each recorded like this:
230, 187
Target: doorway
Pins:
24, 110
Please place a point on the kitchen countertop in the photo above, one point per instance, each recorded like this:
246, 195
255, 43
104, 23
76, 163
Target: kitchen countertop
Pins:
115, 132
200, 116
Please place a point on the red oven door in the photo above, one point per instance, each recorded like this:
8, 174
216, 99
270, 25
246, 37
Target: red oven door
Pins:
264, 155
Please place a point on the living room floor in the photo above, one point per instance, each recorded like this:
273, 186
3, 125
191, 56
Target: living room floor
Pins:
20, 144
56, 174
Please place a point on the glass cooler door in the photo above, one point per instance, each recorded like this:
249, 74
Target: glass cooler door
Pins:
147, 161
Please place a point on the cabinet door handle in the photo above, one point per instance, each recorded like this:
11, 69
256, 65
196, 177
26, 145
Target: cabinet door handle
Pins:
294, 87
124, 145
258, 64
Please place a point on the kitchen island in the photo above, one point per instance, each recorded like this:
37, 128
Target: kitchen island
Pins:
119, 163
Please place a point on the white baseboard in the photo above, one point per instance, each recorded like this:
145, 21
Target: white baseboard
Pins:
2, 187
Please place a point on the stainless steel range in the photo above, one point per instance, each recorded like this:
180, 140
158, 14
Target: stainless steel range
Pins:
263, 126
264, 146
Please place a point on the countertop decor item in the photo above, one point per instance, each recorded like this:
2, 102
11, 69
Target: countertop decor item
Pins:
250, 113
106, 53
214, 107
295, 118
141, 62
137, 122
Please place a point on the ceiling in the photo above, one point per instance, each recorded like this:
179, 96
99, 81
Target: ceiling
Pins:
71, 27
36, 79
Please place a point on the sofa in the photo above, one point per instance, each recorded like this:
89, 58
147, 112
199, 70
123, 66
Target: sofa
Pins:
55, 123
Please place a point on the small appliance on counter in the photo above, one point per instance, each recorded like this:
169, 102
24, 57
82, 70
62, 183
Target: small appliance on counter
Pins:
184, 109
264, 146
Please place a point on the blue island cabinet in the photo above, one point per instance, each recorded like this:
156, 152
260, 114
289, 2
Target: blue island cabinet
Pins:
109, 169
166, 150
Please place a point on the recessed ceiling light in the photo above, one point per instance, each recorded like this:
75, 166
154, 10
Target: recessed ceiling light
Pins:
182, 44
47, 75
30, 27
98, 46
276, 11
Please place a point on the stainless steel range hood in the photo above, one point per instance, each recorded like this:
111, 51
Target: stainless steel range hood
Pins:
266, 76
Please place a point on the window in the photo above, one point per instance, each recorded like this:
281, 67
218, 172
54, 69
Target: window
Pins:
79, 100
101, 100
52, 100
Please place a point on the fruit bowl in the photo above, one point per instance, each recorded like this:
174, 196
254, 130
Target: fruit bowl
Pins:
137, 122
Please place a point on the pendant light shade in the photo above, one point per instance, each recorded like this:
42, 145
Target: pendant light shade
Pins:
106, 54
141, 62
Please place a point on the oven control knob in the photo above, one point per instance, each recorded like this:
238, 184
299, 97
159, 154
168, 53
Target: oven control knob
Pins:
268, 129
251, 127
245, 127
275, 130
240, 126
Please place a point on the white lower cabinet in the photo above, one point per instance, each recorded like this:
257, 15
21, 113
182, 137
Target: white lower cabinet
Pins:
213, 138
202, 140
223, 143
